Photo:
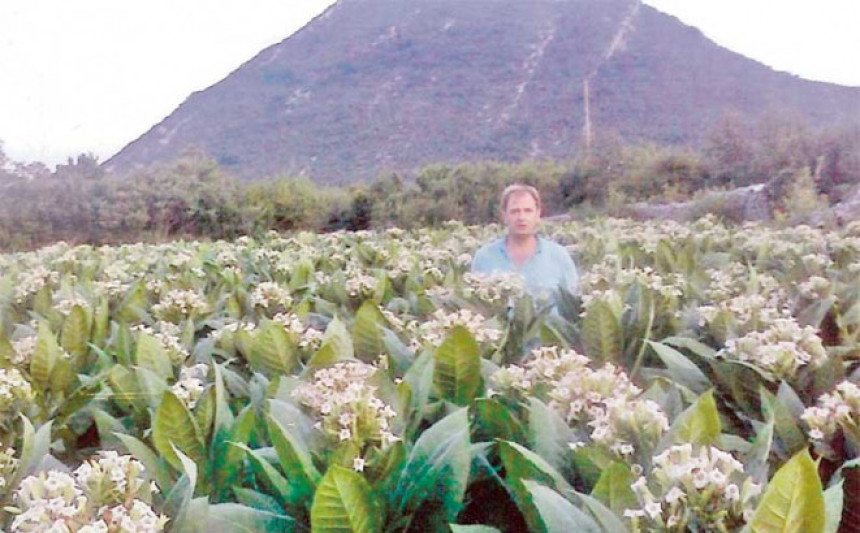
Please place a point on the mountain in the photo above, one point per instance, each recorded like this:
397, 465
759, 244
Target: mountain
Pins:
373, 86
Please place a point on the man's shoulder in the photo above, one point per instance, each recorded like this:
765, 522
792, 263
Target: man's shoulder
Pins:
493, 246
487, 256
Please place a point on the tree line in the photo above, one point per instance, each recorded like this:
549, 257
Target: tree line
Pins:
192, 197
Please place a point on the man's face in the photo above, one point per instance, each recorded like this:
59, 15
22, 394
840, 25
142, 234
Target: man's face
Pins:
522, 214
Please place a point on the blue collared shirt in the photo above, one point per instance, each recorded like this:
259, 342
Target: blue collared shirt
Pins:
544, 272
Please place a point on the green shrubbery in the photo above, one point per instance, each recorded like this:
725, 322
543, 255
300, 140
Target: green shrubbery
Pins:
194, 197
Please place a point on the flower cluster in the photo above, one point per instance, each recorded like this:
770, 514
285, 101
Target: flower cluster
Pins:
179, 304
15, 393
168, 335
602, 402
432, 332
780, 350
745, 308
358, 283
306, 337
191, 384
609, 275
8, 465
694, 491
839, 409
232, 328
32, 281
814, 288
22, 350
270, 295
65, 305
493, 288
105, 494
348, 404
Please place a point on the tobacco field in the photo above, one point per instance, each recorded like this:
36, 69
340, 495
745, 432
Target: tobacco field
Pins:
704, 379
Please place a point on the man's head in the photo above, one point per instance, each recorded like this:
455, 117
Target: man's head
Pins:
520, 206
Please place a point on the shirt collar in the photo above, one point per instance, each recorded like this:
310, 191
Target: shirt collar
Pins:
503, 248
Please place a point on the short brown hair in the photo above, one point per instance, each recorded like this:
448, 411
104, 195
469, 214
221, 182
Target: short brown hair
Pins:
518, 188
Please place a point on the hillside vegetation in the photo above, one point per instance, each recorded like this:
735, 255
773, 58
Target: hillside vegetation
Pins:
805, 169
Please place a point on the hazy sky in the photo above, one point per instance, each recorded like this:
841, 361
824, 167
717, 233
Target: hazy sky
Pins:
89, 76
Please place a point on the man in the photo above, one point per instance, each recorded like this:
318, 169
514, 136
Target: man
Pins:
544, 265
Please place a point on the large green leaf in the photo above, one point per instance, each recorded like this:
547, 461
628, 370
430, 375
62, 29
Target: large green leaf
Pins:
556, 513
101, 322
295, 459
608, 520
367, 332
785, 409
549, 434
178, 501
681, 369
344, 503
76, 331
336, 346
457, 372
238, 518
45, 356
496, 421
601, 332
134, 305
174, 424
273, 353
523, 464
35, 445
613, 488
437, 468
699, 423
834, 503
273, 480
793, 501
151, 355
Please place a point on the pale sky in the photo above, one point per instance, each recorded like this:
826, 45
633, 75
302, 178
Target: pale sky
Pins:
90, 76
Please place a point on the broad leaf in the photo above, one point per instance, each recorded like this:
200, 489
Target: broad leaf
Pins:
457, 370
45, 356
699, 423
76, 331
179, 500
273, 352
523, 464
613, 488
273, 480
344, 502
367, 332
151, 355
681, 368
834, 502
601, 332
608, 520
549, 434
793, 501
556, 513
496, 421
295, 459
174, 424
239, 518
437, 468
